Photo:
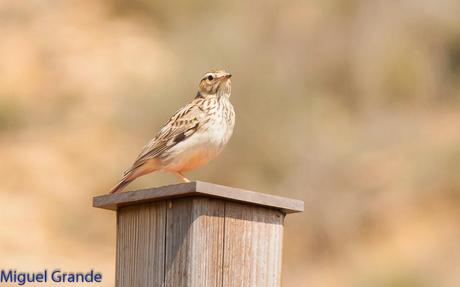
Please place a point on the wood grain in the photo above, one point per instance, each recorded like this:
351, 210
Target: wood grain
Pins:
253, 245
199, 241
194, 237
204, 189
141, 245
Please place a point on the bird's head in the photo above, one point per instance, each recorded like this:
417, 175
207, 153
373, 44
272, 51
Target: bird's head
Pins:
215, 82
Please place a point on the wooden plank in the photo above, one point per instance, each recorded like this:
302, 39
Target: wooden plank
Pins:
194, 242
253, 245
114, 201
199, 241
287, 205
141, 245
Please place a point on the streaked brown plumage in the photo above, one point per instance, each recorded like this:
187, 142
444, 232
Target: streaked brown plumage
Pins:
194, 135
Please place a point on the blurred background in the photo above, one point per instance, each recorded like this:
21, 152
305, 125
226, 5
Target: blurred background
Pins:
352, 106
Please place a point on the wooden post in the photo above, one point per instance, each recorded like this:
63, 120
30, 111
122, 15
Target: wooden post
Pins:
198, 234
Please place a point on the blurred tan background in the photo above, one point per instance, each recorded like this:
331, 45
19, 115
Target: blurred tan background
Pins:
352, 106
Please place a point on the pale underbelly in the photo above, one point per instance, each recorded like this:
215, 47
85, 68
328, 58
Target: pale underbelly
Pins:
200, 148
191, 159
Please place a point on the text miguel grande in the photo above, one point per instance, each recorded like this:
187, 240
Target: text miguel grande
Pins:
56, 275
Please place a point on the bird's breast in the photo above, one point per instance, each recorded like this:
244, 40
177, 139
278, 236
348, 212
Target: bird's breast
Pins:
204, 145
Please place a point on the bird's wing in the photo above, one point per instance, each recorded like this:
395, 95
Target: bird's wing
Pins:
183, 124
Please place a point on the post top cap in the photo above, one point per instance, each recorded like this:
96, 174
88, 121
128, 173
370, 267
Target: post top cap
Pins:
200, 189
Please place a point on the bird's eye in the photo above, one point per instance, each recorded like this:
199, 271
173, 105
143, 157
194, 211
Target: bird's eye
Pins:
210, 77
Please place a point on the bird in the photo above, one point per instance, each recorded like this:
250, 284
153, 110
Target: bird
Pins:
193, 136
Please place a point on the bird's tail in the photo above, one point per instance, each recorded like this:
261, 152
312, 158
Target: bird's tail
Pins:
132, 174
121, 185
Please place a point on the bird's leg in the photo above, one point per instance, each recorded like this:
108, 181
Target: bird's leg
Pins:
182, 177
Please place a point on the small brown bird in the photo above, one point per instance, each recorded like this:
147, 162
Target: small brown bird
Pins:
193, 136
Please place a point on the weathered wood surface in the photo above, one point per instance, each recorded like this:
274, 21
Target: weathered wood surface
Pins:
140, 245
194, 242
198, 188
198, 242
198, 237
253, 243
